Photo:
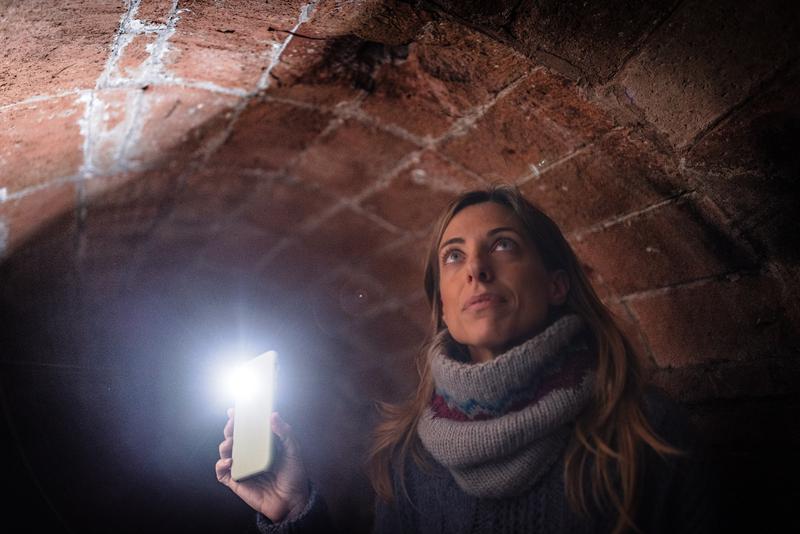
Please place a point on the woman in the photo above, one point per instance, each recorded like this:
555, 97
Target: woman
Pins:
530, 415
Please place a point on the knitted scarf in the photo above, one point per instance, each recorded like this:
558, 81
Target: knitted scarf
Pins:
499, 425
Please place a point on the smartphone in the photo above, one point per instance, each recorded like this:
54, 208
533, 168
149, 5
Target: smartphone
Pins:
252, 433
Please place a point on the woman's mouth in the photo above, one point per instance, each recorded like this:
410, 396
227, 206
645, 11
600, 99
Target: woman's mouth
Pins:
483, 301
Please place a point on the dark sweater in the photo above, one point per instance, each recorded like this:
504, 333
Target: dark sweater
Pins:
677, 495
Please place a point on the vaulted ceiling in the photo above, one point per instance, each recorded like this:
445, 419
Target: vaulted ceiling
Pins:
179, 178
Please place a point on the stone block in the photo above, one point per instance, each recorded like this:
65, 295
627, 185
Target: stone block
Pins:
211, 194
446, 72
400, 268
389, 22
490, 15
53, 48
319, 72
620, 174
708, 56
415, 198
50, 210
262, 140
749, 165
509, 140
566, 104
127, 206
675, 243
282, 205
176, 125
347, 237
350, 157
135, 59
154, 11
40, 141
586, 40
734, 319
229, 45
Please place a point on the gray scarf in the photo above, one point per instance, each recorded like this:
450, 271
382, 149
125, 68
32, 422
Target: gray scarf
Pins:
499, 425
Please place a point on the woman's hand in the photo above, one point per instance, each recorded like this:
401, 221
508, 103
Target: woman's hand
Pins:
281, 493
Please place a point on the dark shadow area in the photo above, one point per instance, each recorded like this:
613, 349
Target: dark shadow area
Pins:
112, 404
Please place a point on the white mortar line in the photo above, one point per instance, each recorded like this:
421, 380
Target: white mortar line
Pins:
277, 50
152, 65
537, 171
729, 277
678, 197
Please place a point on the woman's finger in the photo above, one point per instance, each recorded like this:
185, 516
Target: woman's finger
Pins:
228, 430
285, 434
223, 470
226, 448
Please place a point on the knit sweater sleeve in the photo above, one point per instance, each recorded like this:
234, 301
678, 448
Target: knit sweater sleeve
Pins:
313, 518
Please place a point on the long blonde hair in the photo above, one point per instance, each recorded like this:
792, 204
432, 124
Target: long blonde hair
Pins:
608, 434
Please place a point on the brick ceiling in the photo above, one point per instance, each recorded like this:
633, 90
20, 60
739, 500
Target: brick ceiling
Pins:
299, 152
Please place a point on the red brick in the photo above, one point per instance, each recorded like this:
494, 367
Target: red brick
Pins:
449, 70
27, 217
749, 167
212, 194
126, 206
350, 158
226, 44
563, 102
50, 48
621, 174
591, 39
131, 63
154, 11
400, 268
729, 320
390, 22
348, 237
707, 73
674, 243
268, 135
282, 205
416, 197
40, 141
176, 124
509, 139
316, 71
494, 15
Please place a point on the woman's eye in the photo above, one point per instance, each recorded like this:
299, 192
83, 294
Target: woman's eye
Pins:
450, 256
504, 243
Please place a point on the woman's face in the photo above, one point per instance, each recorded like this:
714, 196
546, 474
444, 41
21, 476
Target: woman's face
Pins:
485, 253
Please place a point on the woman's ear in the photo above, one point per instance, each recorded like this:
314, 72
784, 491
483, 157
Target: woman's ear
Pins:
559, 287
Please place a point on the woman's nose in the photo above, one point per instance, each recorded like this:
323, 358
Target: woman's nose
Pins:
479, 269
